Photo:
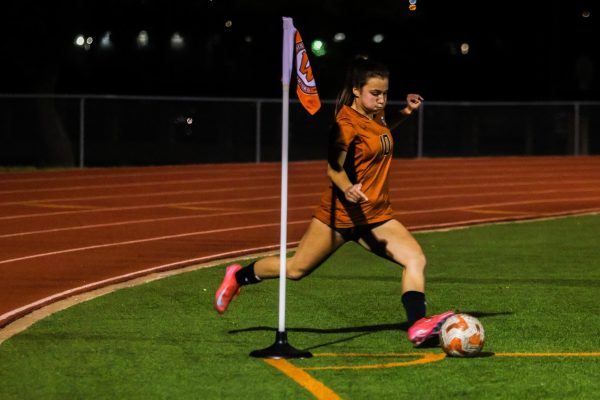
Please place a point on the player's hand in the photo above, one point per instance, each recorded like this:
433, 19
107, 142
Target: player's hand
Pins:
413, 101
354, 194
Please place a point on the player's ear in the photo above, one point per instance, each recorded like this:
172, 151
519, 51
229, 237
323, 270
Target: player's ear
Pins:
356, 92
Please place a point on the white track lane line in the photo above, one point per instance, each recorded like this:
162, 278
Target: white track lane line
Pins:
151, 239
233, 229
232, 213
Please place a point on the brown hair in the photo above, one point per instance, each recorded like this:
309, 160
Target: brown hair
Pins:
359, 72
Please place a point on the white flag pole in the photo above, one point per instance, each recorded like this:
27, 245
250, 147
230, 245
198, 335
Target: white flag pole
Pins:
286, 71
281, 348
284, 205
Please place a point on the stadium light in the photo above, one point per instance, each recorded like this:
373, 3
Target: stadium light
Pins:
142, 39
378, 38
339, 37
177, 41
464, 49
79, 40
318, 47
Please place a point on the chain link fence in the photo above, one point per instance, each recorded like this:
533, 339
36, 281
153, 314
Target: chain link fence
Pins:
95, 130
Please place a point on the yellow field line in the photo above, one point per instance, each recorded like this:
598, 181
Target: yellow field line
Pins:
592, 354
425, 358
304, 379
322, 392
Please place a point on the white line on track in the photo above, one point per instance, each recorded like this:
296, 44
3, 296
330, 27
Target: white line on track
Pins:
131, 275
233, 229
312, 205
412, 176
146, 240
237, 198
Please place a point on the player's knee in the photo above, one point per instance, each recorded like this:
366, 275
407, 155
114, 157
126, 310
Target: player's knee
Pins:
416, 263
295, 274
296, 271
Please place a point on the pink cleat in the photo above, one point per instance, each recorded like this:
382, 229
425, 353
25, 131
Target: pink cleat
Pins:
427, 327
228, 290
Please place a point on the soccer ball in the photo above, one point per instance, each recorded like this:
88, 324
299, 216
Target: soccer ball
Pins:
462, 335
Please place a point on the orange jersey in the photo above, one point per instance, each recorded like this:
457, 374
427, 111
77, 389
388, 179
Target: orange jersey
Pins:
369, 145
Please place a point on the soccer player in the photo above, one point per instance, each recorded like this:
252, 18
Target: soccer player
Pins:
356, 205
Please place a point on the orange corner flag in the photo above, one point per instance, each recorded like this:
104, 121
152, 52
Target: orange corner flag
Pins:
306, 88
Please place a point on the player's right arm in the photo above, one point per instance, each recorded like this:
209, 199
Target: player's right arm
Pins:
339, 177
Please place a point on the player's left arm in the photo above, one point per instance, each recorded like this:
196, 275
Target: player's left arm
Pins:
413, 102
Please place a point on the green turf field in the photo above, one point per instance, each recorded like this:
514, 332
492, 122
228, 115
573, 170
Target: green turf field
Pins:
533, 285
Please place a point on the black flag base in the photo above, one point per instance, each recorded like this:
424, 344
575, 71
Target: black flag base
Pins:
281, 349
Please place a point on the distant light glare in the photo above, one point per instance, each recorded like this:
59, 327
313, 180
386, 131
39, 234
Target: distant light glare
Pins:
586, 14
79, 40
318, 47
339, 37
464, 49
228, 23
378, 38
89, 40
248, 39
142, 39
105, 41
177, 41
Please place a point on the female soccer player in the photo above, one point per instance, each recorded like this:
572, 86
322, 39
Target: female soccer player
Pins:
356, 206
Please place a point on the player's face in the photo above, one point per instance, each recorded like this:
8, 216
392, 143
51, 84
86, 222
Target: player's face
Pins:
373, 95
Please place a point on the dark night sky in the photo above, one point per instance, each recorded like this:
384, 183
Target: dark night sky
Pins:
528, 50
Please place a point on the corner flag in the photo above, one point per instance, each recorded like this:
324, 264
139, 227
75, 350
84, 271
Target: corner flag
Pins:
306, 87
307, 92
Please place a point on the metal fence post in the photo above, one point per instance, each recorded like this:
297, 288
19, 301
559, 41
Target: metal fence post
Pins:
257, 131
420, 131
81, 132
576, 133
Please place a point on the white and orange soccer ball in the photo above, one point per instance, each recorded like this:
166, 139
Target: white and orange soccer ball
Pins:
462, 335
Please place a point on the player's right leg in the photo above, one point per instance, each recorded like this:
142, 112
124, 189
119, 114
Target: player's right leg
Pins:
318, 242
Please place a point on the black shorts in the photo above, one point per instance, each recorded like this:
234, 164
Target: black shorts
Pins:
356, 232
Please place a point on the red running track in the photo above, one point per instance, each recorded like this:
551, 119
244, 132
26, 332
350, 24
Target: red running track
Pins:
68, 232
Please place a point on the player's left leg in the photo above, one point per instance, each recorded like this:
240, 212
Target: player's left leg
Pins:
392, 240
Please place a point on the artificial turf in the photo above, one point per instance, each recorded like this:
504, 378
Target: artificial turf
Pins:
533, 285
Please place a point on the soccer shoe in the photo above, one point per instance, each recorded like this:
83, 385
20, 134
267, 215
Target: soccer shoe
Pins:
228, 289
427, 327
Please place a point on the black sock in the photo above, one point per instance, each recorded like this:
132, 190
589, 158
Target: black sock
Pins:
414, 304
246, 276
